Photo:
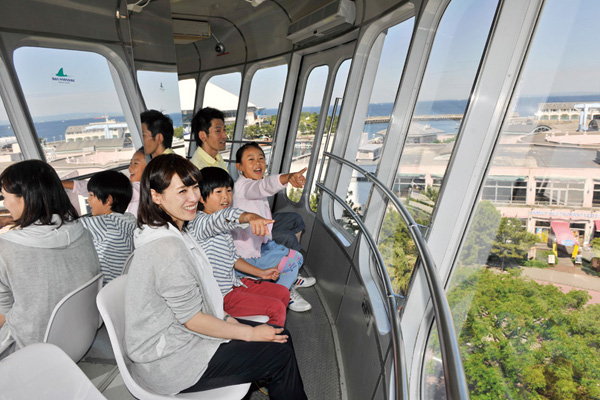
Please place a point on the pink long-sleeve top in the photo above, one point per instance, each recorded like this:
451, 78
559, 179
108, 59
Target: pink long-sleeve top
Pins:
251, 195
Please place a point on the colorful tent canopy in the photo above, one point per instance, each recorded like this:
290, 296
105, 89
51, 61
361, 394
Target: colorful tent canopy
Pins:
563, 233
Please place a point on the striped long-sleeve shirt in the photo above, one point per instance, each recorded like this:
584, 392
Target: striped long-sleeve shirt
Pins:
113, 239
213, 232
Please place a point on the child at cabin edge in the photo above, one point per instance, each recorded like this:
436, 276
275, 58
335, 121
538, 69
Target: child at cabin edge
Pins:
110, 225
250, 193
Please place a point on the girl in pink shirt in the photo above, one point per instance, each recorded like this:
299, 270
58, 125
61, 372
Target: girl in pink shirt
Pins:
250, 194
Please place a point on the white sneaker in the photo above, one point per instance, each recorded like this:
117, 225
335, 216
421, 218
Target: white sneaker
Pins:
304, 282
297, 302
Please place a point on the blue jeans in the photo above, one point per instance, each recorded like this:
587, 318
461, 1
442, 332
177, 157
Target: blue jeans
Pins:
271, 255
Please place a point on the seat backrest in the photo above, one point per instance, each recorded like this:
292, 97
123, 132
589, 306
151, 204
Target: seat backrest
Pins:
111, 303
43, 371
74, 320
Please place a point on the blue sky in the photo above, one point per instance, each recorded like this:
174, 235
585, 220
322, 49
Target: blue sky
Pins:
563, 59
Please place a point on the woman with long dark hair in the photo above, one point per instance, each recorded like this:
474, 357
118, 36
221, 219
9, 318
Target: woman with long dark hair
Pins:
45, 255
177, 334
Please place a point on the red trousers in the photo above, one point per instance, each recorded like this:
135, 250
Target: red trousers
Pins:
258, 298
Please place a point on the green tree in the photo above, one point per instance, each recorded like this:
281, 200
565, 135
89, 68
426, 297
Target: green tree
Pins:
307, 123
229, 129
481, 236
431, 193
512, 242
348, 222
314, 200
294, 194
178, 132
523, 340
398, 250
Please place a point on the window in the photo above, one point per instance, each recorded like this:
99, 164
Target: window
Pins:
307, 124
75, 108
445, 90
266, 94
396, 40
222, 92
505, 190
187, 99
533, 338
558, 192
161, 92
9, 147
596, 195
337, 98
447, 83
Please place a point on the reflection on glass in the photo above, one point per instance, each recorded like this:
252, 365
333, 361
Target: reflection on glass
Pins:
161, 92
389, 71
75, 109
521, 293
263, 107
222, 92
307, 125
328, 137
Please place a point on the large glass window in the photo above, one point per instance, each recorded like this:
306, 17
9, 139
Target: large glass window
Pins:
161, 92
266, 93
75, 109
568, 192
307, 124
505, 190
328, 137
522, 287
9, 147
187, 98
447, 83
222, 92
396, 40
444, 93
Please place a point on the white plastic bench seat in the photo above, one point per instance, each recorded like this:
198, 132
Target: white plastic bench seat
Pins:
44, 371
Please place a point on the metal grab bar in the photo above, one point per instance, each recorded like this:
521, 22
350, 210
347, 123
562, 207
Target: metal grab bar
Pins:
391, 305
456, 382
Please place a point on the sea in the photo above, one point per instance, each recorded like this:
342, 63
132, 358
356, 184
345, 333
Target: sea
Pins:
525, 107
54, 129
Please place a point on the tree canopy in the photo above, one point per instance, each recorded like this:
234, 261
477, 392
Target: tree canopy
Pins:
524, 340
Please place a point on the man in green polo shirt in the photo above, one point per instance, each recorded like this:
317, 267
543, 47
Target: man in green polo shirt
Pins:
208, 128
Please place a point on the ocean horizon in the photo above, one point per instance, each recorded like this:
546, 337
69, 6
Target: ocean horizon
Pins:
53, 130
526, 106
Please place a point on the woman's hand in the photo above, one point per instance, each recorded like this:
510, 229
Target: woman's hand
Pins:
267, 333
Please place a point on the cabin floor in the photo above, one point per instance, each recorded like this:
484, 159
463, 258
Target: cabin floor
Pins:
313, 342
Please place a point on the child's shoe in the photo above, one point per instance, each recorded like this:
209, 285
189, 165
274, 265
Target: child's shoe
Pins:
304, 282
297, 302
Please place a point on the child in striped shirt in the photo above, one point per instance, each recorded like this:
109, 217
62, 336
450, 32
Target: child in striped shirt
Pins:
212, 229
111, 227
